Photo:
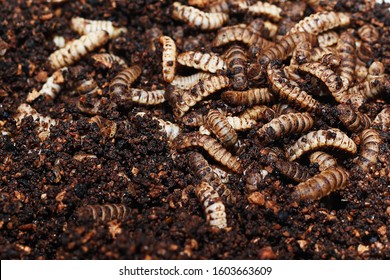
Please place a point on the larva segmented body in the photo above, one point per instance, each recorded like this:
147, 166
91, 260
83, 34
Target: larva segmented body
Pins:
77, 49
187, 82
88, 87
122, 82
202, 3
327, 39
264, 8
316, 54
320, 22
193, 119
212, 204
382, 120
250, 97
108, 60
296, 123
368, 33
236, 60
183, 100
364, 52
211, 145
287, 91
107, 127
172, 130
258, 112
51, 87
322, 184
331, 60
168, 58
220, 6
370, 141
221, 128
241, 123
198, 19
84, 26
353, 120
332, 137
346, 50
104, 212
204, 61
144, 97
282, 109
337, 85
323, 160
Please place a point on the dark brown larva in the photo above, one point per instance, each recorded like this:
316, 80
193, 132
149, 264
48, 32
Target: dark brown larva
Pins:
293, 123
216, 150
369, 149
353, 120
346, 49
220, 127
249, 97
322, 184
323, 160
104, 212
122, 82
236, 60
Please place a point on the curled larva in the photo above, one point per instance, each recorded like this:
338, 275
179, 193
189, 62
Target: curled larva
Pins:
240, 123
107, 127
197, 18
212, 204
258, 112
289, 92
182, 100
204, 61
211, 145
346, 49
323, 160
336, 84
322, 184
108, 60
219, 6
236, 60
368, 33
122, 82
221, 128
320, 22
249, 97
77, 49
44, 123
353, 120
293, 123
171, 130
369, 149
52, 86
104, 212
382, 120
332, 137
144, 97
168, 58
187, 82
84, 26
327, 39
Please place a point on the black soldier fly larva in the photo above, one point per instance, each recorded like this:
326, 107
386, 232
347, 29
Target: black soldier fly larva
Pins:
107, 127
353, 120
204, 61
122, 82
221, 128
171, 130
323, 160
187, 82
108, 60
382, 120
369, 149
168, 58
258, 112
236, 60
84, 26
249, 97
346, 50
104, 212
327, 39
368, 33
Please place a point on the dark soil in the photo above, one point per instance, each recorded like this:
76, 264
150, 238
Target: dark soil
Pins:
42, 185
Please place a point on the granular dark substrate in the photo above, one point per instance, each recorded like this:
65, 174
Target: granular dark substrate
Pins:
43, 184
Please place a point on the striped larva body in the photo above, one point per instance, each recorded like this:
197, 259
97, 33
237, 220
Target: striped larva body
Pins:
220, 6
212, 205
122, 82
202, 3
84, 26
346, 49
264, 8
322, 184
258, 112
369, 33
327, 39
353, 120
183, 100
108, 60
193, 119
168, 58
240, 123
221, 128
104, 212
77, 49
187, 82
144, 97
289, 92
323, 160
204, 61
316, 54
215, 150
197, 18
249, 97
236, 60
382, 120
337, 85
51, 87
331, 60
332, 137
364, 52
282, 109
107, 127
293, 123
369, 150
171, 130
88, 87
320, 22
